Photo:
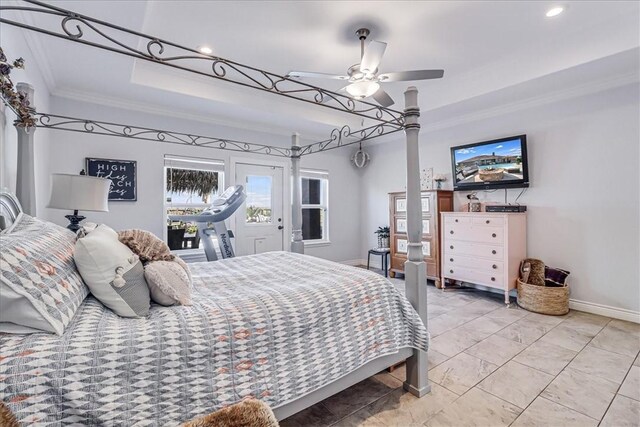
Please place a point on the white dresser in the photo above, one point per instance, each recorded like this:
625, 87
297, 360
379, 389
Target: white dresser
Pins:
483, 248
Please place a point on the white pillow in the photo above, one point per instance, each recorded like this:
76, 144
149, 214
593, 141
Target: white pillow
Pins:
112, 272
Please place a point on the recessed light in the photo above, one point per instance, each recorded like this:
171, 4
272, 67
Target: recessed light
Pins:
205, 49
555, 11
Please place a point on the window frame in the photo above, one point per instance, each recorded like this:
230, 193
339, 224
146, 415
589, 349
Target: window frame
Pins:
323, 176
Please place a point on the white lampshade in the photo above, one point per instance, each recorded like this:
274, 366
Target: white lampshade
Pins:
79, 192
362, 89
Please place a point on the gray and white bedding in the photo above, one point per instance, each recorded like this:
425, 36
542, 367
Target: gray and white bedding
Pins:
274, 326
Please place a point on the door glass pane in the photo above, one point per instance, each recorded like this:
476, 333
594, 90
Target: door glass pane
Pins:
258, 204
312, 221
311, 191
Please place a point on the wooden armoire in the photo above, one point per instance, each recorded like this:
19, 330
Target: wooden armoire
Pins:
433, 202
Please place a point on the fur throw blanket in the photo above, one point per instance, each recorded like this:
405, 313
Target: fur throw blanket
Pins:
146, 245
6, 417
252, 412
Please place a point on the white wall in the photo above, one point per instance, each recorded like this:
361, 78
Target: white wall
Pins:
583, 203
68, 151
15, 46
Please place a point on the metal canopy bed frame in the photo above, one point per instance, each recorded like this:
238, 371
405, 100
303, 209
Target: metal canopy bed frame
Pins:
103, 35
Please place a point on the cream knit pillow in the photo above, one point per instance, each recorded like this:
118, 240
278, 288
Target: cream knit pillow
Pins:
169, 282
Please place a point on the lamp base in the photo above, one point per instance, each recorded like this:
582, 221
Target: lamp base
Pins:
74, 221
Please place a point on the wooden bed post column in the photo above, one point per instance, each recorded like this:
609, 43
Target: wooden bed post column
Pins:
26, 180
297, 245
417, 382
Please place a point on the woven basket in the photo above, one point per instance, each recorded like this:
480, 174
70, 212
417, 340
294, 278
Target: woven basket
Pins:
543, 299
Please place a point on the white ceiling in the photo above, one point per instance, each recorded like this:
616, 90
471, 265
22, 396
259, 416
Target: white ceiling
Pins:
484, 47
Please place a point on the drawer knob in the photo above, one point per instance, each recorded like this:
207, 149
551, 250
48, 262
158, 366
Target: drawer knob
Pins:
450, 271
451, 247
494, 252
492, 235
451, 259
488, 221
451, 232
456, 220
494, 266
493, 279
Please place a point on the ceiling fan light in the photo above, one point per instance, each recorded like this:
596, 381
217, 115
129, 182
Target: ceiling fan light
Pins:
364, 89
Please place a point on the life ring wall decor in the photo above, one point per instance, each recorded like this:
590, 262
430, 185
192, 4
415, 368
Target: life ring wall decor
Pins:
360, 158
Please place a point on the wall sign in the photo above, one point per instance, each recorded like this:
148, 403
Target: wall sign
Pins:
122, 174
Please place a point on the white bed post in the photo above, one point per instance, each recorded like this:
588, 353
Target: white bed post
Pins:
417, 381
297, 245
26, 180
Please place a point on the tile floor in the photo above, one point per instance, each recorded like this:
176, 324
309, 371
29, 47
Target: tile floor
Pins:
496, 366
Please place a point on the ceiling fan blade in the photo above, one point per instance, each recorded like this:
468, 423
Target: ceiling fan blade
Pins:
411, 75
383, 98
372, 56
312, 75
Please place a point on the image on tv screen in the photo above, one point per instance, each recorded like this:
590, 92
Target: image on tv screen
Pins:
500, 161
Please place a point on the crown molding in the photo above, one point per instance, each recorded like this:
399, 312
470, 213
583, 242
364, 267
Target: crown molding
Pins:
595, 86
101, 99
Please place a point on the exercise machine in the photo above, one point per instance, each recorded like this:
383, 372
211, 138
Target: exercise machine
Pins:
211, 224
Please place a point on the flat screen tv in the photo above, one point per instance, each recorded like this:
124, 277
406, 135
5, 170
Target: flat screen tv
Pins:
499, 163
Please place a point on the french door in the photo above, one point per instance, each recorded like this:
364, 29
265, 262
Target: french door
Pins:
259, 225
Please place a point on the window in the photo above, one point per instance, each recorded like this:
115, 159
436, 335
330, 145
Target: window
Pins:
315, 206
190, 186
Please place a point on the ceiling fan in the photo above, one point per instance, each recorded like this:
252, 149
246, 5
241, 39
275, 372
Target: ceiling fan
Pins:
364, 78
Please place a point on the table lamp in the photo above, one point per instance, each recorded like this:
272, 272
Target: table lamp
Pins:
79, 193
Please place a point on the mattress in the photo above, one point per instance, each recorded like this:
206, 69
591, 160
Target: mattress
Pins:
273, 326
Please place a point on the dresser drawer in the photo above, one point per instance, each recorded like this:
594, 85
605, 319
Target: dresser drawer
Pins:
479, 234
473, 276
455, 248
478, 264
451, 219
488, 220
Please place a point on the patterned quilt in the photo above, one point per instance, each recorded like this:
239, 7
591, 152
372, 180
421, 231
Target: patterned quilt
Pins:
274, 326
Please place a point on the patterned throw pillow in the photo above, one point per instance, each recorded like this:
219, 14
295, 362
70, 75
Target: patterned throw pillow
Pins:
555, 277
40, 287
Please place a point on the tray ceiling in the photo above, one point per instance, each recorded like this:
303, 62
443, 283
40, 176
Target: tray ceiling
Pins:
484, 48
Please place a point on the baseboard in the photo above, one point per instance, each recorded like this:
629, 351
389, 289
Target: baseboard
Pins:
605, 310
354, 262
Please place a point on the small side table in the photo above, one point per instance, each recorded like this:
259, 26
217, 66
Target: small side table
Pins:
384, 252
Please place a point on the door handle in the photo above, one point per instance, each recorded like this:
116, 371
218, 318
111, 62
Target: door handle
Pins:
280, 227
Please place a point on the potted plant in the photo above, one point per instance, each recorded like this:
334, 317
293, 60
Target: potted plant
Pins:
383, 236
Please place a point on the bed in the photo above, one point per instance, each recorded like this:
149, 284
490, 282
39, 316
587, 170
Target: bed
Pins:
281, 327
258, 328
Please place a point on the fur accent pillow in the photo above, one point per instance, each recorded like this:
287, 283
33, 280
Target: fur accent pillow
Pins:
146, 245
169, 282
